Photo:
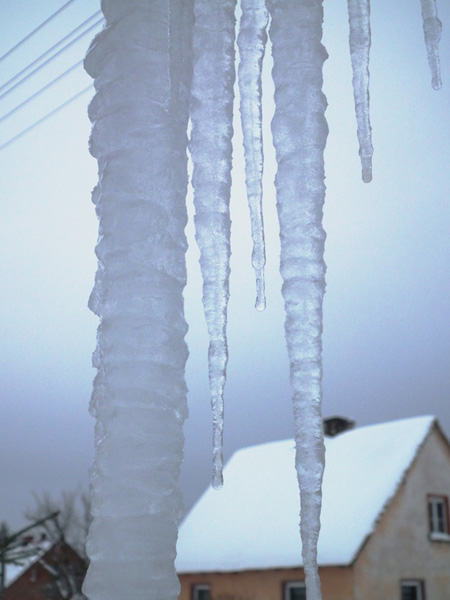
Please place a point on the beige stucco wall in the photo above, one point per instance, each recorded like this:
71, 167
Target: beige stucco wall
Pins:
267, 585
401, 548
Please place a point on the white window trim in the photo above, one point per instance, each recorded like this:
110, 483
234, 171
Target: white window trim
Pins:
436, 536
433, 500
417, 583
292, 584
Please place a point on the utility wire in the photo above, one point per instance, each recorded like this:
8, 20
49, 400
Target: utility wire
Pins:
38, 28
45, 117
40, 91
49, 60
50, 50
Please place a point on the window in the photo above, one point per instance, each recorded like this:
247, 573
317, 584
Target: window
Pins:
413, 589
438, 517
201, 591
294, 590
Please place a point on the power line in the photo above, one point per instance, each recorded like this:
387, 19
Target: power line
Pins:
49, 60
40, 91
45, 117
38, 28
50, 50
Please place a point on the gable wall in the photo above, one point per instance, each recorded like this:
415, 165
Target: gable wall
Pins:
267, 585
400, 548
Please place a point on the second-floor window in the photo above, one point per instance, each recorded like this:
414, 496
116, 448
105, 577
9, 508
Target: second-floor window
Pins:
438, 517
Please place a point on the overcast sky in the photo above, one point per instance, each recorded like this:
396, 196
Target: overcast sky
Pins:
386, 313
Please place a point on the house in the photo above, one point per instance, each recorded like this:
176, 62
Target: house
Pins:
55, 572
385, 521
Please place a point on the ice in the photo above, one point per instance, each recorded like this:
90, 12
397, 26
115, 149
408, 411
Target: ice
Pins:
142, 66
359, 22
252, 40
300, 132
139, 396
432, 28
211, 151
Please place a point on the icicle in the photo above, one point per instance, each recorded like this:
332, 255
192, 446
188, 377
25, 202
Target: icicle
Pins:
300, 131
432, 28
359, 21
211, 150
139, 398
251, 42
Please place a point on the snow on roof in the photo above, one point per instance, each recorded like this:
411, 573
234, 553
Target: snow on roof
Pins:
253, 521
13, 572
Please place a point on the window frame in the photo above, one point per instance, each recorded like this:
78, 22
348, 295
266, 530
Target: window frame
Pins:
288, 585
197, 587
433, 525
419, 584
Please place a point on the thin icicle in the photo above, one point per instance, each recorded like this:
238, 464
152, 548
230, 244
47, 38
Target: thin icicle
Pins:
359, 21
300, 132
432, 28
251, 42
211, 150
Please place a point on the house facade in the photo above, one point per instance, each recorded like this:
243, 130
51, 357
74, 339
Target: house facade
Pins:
411, 542
385, 521
270, 584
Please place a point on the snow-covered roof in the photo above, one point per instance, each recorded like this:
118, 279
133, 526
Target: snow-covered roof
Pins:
13, 572
253, 521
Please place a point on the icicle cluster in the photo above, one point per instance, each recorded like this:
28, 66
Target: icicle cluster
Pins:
139, 397
360, 39
142, 63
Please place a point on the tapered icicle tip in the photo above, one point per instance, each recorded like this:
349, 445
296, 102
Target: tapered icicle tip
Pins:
260, 303
432, 37
432, 29
366, 164
217, 478
436, 81
217, 475
217, 382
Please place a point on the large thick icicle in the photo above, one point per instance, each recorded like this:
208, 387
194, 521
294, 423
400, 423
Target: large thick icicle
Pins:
211, 150
300, 131
251, 41
359, 21
432, 28
139, 398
